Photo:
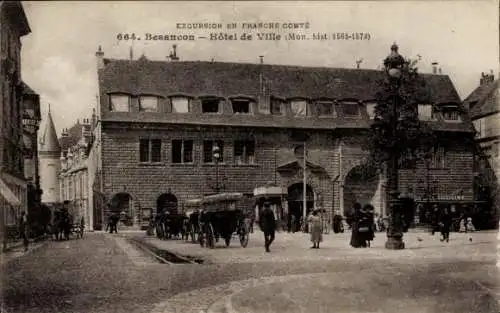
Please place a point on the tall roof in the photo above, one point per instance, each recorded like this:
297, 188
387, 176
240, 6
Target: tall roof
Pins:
73, 135
49, 142
484, 100
15, 13
229, 79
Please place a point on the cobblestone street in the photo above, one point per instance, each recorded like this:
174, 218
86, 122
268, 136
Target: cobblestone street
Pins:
105, 273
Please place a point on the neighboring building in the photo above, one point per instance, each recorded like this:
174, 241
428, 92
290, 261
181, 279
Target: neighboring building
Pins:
159, 120
74, 176
484, 110
31, 123
49, 152
13, 185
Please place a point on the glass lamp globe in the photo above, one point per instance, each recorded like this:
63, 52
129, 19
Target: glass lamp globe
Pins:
394, 72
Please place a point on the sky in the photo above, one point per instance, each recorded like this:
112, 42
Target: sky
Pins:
58, 56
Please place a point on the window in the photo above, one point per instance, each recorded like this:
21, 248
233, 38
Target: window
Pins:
427, 112
438, 158
180, 105
119, 103
244, 152
370, 110
451, 115
210, 105
148, 104
299, 107
350, 108
150, 150
241, 106
276, 107
208, 146
325, 108
182, 151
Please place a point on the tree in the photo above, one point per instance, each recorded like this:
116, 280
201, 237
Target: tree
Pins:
403, 134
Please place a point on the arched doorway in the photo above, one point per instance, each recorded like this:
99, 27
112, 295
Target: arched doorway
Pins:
122, 204
167, 202
360, 186
296, 203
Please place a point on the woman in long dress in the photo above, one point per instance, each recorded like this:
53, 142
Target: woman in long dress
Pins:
316, 229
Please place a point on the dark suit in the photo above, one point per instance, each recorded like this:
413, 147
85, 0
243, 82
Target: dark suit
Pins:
268, 225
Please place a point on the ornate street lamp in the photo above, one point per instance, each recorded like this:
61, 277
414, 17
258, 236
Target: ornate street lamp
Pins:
216, 155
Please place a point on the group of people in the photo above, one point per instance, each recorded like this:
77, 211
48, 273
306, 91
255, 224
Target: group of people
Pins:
268, 225
362, 225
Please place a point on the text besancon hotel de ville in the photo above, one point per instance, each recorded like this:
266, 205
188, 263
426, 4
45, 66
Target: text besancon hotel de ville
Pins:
159, 121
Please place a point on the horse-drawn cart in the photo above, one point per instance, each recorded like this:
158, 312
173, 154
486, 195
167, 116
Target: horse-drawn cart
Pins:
221, 218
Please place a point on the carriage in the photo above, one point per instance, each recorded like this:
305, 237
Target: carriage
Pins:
221, 218
192, 207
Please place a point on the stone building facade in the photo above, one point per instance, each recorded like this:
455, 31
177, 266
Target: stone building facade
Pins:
484, 110
73, 179
13, 185
158, 122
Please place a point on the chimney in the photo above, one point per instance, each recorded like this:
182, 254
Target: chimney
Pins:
440, 71
263, 104
434, 67
94, 119
487, 78
131, 53
100, 58
173, 54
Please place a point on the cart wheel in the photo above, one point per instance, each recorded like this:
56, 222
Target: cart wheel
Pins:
228, 241
210, 237
244, 239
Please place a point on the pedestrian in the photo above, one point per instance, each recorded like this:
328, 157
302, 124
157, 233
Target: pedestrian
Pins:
337, 224
293, 223
435, 219
24, 230
316, 229
268, 225
357, 238
445, 222
368, 221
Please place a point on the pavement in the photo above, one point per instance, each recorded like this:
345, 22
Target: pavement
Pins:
105, 273
289, 247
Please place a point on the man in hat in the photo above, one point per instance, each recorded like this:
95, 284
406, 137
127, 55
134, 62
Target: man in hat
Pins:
268, 224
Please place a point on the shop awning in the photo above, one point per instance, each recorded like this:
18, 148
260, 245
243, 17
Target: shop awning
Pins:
8, 195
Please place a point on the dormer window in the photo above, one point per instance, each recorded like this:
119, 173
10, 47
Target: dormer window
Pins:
299, 107
148, 103
452, 115
325, 108
427, 112
241, 106
210, 105
119, 103
180, 104
350, 109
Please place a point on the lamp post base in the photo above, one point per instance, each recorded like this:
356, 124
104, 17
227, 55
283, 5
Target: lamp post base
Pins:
394, 244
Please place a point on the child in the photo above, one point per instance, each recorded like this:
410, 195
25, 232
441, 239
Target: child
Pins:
469, 226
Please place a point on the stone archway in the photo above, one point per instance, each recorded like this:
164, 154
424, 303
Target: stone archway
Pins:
295, 201
167, 202
360, 185
122, 204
